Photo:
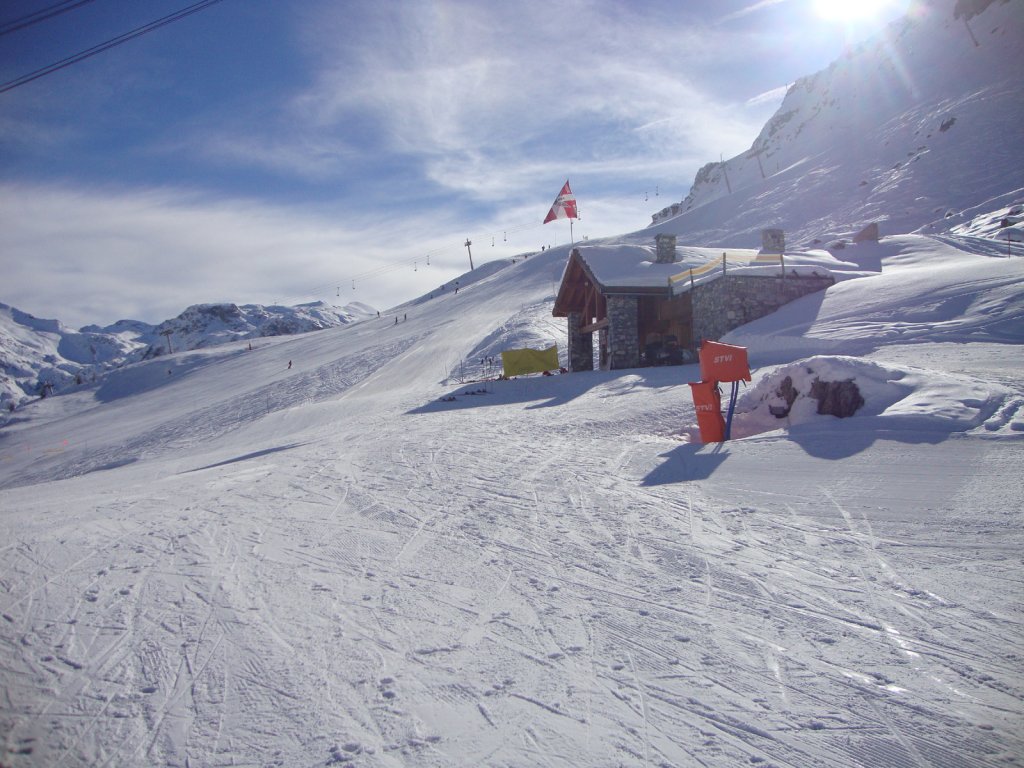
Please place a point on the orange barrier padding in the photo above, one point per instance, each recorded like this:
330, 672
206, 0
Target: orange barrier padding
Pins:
707, 402
723, 362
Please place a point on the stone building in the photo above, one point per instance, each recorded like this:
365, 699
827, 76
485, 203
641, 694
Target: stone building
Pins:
649, 305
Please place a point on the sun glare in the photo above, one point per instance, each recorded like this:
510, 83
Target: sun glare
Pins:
850, 10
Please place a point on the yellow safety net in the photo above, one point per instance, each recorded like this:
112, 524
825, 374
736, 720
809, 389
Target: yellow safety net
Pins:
517, 362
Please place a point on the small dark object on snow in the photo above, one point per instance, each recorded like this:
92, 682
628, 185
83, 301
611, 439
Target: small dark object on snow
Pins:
665, 351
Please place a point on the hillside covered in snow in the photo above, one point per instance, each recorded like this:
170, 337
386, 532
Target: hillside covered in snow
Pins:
35, 352
360, 547
917, 129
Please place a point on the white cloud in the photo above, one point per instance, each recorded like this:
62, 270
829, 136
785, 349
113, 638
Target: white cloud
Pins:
147, 254
96, 255
498, 90
772, 97
747, 10
306, 155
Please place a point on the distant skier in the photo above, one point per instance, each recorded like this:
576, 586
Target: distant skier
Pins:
289, 365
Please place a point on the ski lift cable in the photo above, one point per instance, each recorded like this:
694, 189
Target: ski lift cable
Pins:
105, 46
452, 249
42, 14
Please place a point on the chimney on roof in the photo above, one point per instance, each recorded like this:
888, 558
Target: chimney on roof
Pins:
666, 248
773, 241
867, 235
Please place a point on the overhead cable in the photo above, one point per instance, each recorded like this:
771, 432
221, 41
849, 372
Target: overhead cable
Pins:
89, 52
41, 15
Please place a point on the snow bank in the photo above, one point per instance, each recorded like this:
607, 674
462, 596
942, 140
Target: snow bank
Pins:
893, 397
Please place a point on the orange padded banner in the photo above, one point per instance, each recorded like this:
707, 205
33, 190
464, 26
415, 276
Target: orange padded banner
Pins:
707, 402
723, 362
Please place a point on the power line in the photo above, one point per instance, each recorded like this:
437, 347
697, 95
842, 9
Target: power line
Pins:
96, 49
41, 15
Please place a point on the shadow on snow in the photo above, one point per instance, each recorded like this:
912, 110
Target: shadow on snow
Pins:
557, 390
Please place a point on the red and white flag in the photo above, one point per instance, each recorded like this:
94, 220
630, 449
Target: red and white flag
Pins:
564, 206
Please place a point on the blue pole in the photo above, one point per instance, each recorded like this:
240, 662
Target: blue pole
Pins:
732, 406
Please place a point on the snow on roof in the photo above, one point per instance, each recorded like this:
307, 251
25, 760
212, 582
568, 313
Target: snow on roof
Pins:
625, 265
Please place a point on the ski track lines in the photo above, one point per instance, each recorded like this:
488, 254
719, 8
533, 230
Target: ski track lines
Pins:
530, 609
883, 601
540, 626
230, 412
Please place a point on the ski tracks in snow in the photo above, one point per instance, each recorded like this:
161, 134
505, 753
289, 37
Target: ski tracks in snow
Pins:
444, 589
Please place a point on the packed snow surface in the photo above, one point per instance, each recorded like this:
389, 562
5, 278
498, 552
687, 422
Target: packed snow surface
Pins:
306, 554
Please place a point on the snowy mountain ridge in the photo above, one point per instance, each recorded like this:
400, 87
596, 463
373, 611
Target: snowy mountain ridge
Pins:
877, 137
35, 352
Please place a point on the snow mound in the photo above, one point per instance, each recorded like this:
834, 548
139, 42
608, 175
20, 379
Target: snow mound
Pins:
892, 397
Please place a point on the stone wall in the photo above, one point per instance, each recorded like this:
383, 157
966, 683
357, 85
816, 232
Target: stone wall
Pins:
729, 302
623, 332
581, 345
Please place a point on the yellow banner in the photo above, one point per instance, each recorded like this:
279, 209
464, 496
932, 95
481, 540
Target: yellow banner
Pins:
517, 362
731, 258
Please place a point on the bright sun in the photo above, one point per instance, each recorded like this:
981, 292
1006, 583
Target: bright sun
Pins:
849, 10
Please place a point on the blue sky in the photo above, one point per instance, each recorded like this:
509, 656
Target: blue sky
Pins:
261, 151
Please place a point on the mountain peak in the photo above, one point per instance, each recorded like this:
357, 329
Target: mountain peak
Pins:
876, 136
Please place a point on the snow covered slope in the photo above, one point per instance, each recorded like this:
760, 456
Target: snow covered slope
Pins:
919, 128
35, 351
217, 557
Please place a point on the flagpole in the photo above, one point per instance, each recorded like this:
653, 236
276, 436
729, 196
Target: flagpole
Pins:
572, 241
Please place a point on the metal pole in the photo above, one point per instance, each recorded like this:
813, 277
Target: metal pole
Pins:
732, 407
469, 243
